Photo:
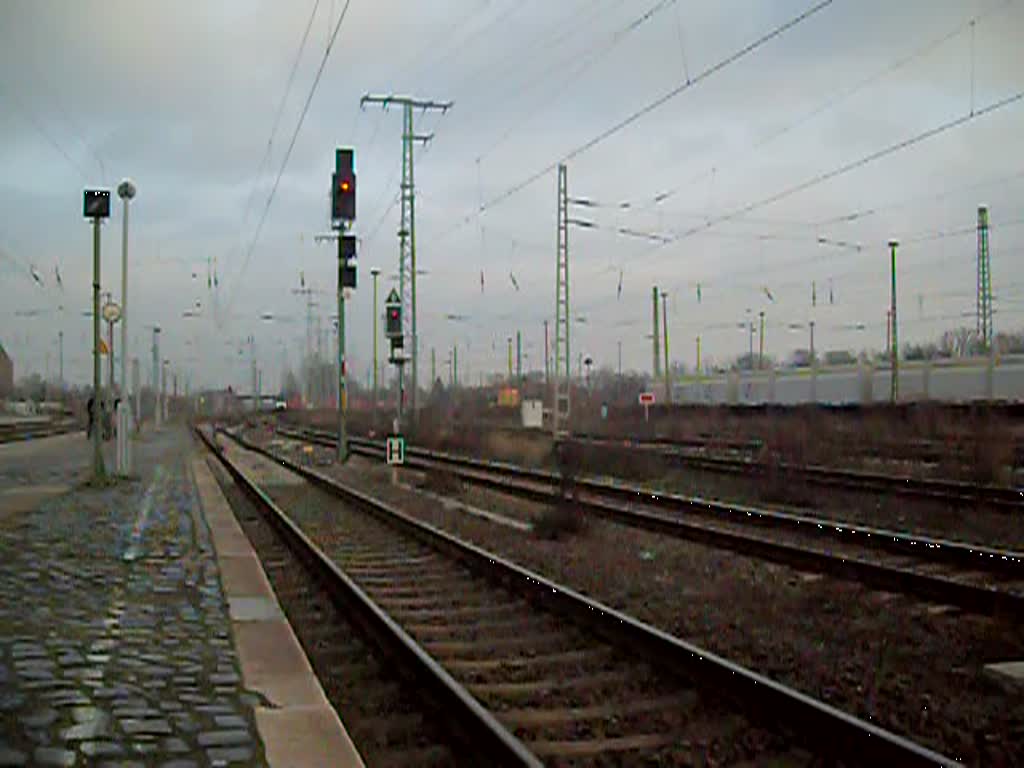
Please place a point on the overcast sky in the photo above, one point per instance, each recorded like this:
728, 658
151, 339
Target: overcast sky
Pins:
182, 97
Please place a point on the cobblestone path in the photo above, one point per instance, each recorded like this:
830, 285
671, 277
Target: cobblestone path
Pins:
115, 644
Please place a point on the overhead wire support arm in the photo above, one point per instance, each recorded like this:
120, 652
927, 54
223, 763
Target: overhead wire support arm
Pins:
423, 104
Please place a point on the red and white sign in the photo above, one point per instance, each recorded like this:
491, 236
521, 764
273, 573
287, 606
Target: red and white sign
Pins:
646, 398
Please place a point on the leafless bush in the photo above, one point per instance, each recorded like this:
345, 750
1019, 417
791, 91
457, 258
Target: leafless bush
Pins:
561, 519
442, 481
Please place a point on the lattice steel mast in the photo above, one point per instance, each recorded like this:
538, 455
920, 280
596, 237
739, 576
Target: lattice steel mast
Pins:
407, 229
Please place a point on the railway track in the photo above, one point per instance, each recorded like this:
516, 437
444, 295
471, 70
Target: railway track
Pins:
12, 433
743, 463
860, 481
386, 715
557, 678
921, 450
969, 576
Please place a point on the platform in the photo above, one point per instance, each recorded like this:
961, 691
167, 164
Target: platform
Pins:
124, 614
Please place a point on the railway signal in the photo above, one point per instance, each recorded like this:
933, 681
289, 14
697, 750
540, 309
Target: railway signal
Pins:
393, 322
343, 188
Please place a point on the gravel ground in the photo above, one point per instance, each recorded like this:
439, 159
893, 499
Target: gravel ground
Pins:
912, 667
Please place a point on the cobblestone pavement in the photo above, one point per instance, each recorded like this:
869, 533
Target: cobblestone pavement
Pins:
115, 643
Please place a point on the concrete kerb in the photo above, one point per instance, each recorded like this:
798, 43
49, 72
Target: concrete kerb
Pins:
300, 728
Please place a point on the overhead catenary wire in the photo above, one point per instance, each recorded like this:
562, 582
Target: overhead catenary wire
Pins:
647, 109
841, 97
596, 53
859, 163
31, 118
280, 112
288, 154
863, 213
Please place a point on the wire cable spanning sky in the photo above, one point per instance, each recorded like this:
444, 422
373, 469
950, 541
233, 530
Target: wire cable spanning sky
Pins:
732, 153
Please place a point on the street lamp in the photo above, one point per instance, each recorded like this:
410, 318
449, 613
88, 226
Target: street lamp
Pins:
126, 191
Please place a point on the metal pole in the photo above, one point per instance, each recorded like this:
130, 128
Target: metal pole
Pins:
375, 273
888, 332
252, 365
342, 392
620, 359
407, 231
812, 342
698, 356
894, 352
157, 391
510, 360
664, 331
60, 347
519, 357
455, 366
412, 264
547, 364
433, 366
136, 403
125, 190
99, 472
110, 361
655, 334
760, 342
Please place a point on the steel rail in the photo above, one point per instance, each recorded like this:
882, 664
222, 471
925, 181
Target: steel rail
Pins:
834, 732
465, 713
539, 485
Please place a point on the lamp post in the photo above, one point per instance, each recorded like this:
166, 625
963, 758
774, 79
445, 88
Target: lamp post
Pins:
126, 191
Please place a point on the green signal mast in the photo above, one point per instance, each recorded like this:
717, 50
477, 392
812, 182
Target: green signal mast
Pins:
984, 281
407, 229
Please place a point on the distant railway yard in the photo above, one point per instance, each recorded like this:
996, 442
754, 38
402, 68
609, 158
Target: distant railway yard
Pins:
888, 603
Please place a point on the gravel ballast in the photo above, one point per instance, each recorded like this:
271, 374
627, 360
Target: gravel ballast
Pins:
910, 666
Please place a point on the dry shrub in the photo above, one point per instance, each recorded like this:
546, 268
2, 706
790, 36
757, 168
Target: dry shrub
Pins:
622, 461
991, 454
789, 444
443, 482
779, 486
559, 520
527, 448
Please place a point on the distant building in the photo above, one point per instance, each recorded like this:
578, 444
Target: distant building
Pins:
6, 373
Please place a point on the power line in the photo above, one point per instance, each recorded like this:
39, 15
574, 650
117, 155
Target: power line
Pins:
288, 153
280, 112
493, 70
650, 107
76, 131
834, 101
521, 61
870, 158
450, 36
595, 54
867, 212
45, 134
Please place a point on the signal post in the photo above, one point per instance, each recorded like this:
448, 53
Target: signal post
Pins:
396, 337
96, 206
343, 214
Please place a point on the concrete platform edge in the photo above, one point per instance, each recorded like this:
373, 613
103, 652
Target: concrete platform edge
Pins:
301, 728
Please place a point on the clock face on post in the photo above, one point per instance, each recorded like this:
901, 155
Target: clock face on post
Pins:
96, 204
